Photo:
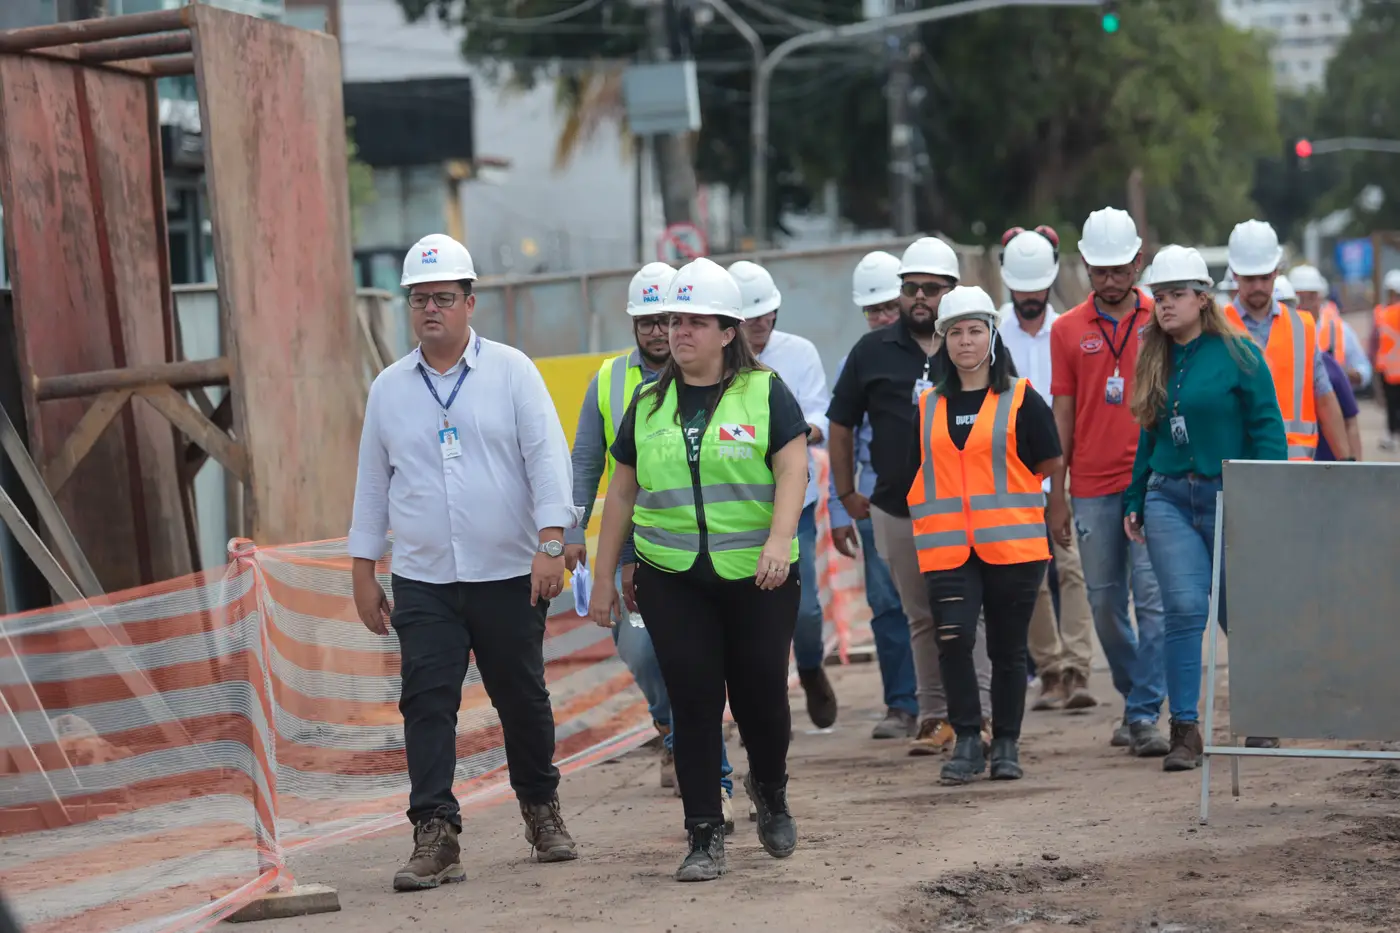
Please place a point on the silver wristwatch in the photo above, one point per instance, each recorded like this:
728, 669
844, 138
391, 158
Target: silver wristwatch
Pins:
551, 548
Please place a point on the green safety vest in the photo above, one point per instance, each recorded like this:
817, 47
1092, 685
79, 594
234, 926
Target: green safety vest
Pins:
735, 492
618, 379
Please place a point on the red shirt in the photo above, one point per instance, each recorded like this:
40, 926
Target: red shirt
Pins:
1082, 359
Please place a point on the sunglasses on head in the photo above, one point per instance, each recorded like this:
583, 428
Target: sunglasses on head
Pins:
1044, 230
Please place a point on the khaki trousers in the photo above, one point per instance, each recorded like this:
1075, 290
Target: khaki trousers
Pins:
1070, 644
894, 539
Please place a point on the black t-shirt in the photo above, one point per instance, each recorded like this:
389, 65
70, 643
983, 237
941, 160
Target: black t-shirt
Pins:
1037, 437
878, 380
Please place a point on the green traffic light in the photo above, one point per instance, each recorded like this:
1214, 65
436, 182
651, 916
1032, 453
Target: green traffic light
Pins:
1110, 22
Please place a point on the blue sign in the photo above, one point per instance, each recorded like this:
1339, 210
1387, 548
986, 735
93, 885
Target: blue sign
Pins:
1354, 259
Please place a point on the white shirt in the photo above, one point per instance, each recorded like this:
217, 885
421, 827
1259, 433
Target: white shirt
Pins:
476, 517
1030, 352
796, 361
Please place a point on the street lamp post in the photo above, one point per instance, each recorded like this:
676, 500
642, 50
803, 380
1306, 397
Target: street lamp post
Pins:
763, 78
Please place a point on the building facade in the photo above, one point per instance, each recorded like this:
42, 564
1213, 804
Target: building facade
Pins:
1304, 35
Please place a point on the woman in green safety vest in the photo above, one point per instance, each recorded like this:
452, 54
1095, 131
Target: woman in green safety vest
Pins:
710, 476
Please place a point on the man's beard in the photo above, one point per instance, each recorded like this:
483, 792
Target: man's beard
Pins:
922, 328
1030, 309
654, 361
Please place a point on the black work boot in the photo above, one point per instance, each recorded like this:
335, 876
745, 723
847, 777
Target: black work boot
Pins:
1186, 748
546, 832
1006, 760
777, 830
436, 857
821, 698
967, 761
705, 861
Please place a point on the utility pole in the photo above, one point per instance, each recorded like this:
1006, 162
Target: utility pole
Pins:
903, 216
675, 168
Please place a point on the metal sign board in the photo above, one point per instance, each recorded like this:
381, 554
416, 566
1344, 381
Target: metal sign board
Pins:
1354, 259
680, 243
662, 98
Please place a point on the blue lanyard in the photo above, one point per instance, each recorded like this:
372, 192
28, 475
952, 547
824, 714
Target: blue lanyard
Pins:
455, 389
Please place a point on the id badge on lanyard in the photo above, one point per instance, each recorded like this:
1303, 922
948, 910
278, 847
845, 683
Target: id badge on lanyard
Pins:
1113, 388
449, 441
922, 384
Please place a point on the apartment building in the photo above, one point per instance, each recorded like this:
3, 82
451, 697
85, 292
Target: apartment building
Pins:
1305, 35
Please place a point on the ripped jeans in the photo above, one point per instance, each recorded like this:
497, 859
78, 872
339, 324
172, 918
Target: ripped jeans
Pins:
1006, 593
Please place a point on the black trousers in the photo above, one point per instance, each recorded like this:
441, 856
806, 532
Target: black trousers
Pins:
1391, 394
713, 635
438, 625
1005, 594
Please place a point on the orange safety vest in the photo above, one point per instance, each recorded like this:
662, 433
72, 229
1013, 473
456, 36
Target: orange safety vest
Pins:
1330, 336
1290, 351
1388, 357
980, 498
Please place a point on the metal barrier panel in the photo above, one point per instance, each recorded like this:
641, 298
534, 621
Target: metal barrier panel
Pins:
1312, 599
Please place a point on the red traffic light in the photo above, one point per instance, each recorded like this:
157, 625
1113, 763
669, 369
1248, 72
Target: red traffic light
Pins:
1303, 148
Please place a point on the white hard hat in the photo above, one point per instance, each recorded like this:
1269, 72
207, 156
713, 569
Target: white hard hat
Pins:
930, 256
876, 279
1174, 264
756, 287
648, 288
437, 258
1110, 238
963, 302
1284, 291
1391, 282
702, 286
1307, 279
1254, 249
1228, 283
1028, 263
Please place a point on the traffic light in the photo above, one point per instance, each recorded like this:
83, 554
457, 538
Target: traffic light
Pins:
1303, 148
1110, 20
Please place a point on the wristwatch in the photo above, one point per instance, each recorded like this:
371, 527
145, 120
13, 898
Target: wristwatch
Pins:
552, 548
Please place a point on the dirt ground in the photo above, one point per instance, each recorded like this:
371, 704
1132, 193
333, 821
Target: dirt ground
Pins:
1091, 840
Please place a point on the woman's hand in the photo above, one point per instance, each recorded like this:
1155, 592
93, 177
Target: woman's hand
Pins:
629, 586
603, 605
1058, 518
774, 563
1132, 527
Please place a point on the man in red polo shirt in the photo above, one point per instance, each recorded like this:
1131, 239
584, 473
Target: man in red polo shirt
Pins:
1093, 352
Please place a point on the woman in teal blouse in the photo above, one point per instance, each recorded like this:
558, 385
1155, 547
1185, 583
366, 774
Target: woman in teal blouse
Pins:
1203, 395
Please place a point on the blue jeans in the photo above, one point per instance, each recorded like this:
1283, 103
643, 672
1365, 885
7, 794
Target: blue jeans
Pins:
807, 641
889, 626
634, 648
1112, 564
1179, 523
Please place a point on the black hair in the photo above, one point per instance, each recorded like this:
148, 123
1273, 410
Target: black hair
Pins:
466, 286
999, 377
738, 358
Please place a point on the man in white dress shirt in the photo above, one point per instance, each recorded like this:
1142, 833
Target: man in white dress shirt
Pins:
463, 458
796, 361
1062, 653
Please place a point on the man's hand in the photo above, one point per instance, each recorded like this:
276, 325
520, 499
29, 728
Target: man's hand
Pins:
629, 587
846, 539
1354, 377
371, 604
546, 577
1132, 527
575, 554
603, 606
1057, 517
857, 506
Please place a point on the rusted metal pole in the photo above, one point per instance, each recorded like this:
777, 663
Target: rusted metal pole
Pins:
169, 66
93, 30
116, 50
183, 375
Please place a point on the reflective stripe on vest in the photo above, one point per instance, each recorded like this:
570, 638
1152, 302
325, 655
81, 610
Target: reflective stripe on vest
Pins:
1330, 336
980, 498
618, 378
734, 497
1388, 354
1290, 350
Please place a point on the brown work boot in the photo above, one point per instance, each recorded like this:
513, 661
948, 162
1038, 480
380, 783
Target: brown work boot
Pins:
546, 832
668, 760
934, 736
436, 857
1076, 690
1052, 693
1187, 747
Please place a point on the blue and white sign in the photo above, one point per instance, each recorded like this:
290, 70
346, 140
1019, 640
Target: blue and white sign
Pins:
1354, 259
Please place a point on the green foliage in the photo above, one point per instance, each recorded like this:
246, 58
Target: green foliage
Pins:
360, 176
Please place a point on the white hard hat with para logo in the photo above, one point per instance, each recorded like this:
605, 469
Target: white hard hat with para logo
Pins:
876, 279
1307, 279
1254, 249
963, 302
702, 286
1178, 265
648, 289
930, 256
1391, 282
759, 294
437, 258
1284, 291
1110, 239
1029, 262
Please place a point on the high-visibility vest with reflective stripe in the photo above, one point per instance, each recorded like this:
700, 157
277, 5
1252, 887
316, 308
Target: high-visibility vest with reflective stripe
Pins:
1330, 336
618, 379
734, 497
1290, 351
981, 498
1388, 354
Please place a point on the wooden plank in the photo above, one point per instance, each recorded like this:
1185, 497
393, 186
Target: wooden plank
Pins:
100, 413
276, 171
182, 375
196, 456
198, 428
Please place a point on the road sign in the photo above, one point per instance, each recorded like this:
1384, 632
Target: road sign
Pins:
1354, 259
680, 243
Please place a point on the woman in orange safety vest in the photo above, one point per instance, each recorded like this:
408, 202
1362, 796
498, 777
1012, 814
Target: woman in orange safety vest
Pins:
986, 442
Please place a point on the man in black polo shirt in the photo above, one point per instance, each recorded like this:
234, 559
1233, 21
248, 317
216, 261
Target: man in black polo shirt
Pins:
883, 377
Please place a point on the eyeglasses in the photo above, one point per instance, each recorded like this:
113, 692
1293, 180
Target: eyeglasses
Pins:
930, 289
888, 309
1044, 230
652, 325
1104, 273
419, 300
